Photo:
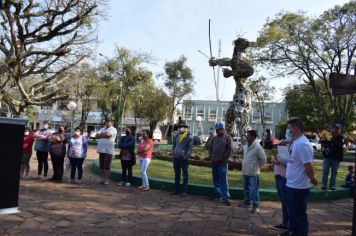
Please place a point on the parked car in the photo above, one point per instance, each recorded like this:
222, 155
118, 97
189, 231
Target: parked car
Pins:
351, 146
315, 143
157, 135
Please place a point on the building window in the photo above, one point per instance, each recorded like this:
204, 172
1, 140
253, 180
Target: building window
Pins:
212, 114
188, 113
200, 112
256, 116
268, 117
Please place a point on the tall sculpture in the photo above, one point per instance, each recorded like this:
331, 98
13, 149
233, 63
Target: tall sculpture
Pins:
237, 116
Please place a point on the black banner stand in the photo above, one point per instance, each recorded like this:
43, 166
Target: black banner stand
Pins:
11, 140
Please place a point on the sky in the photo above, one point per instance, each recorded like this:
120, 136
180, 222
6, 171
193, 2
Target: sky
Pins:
170, 28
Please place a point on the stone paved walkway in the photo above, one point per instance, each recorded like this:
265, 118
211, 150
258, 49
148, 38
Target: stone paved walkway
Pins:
92, 209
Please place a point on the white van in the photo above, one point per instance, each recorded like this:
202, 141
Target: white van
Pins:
157, 135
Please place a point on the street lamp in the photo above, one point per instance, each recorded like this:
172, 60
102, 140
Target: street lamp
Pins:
71, 107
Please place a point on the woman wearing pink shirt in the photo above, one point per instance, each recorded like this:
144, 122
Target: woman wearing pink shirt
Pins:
144, 152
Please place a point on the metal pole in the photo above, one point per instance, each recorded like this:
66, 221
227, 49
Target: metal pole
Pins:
354, 195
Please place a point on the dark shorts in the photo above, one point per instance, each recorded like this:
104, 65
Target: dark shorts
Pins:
26, 159
105, 161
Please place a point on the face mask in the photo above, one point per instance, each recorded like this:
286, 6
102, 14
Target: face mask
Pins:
181, 130
288, 134
45, 126
27, 133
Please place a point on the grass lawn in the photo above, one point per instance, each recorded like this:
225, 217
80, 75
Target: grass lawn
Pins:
202, 175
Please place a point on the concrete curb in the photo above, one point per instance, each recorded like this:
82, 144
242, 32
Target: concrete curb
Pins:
266, 194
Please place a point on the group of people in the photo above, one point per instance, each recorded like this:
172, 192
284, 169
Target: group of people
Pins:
128, 152
58, 145
294, 171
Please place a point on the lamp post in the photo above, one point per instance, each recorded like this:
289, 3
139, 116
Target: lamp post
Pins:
71, 107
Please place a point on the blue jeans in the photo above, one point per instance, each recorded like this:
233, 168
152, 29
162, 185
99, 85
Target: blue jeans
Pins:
282, 194
251, 185
297, 210
144, 162
181, 165
327, 165
219, 172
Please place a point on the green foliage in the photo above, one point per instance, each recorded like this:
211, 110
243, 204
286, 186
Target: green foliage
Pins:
311, 49
301, 102
202, 175
178, 80
122, 74
149, 102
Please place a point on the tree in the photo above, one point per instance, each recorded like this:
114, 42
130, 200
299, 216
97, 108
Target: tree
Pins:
179, 80
40, 40
151, 103
311, 49
300, 102
262, 94
124, 73
84, 85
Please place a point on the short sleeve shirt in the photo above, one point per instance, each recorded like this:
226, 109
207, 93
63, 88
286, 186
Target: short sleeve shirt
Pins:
106, 145
300, 153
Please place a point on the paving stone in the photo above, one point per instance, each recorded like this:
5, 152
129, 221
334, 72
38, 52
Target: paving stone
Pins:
64, 223
92, 209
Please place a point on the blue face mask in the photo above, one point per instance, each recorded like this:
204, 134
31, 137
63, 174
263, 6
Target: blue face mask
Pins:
288, 134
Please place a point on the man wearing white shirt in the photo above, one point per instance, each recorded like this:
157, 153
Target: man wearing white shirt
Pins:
300, 173
105, 148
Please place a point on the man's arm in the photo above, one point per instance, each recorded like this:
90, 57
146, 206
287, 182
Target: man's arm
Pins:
309, 169
189, 148
228, 148
262, 157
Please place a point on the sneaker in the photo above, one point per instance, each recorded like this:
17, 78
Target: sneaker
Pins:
72, 181
323, 187
39, 176
174, 193
106, 182
244, 205
332, 188
79, 181
255, 210
145, 188
184, 194
127, 184
227, 203
120, 183
141, 187
279, 226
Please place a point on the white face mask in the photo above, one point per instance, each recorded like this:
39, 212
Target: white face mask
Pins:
27, 133
76, 133
45, 126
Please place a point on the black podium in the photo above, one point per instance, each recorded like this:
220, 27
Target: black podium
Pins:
11, 140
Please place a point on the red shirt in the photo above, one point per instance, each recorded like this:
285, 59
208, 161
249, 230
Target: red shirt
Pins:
27, 143
150, 150
148, 153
